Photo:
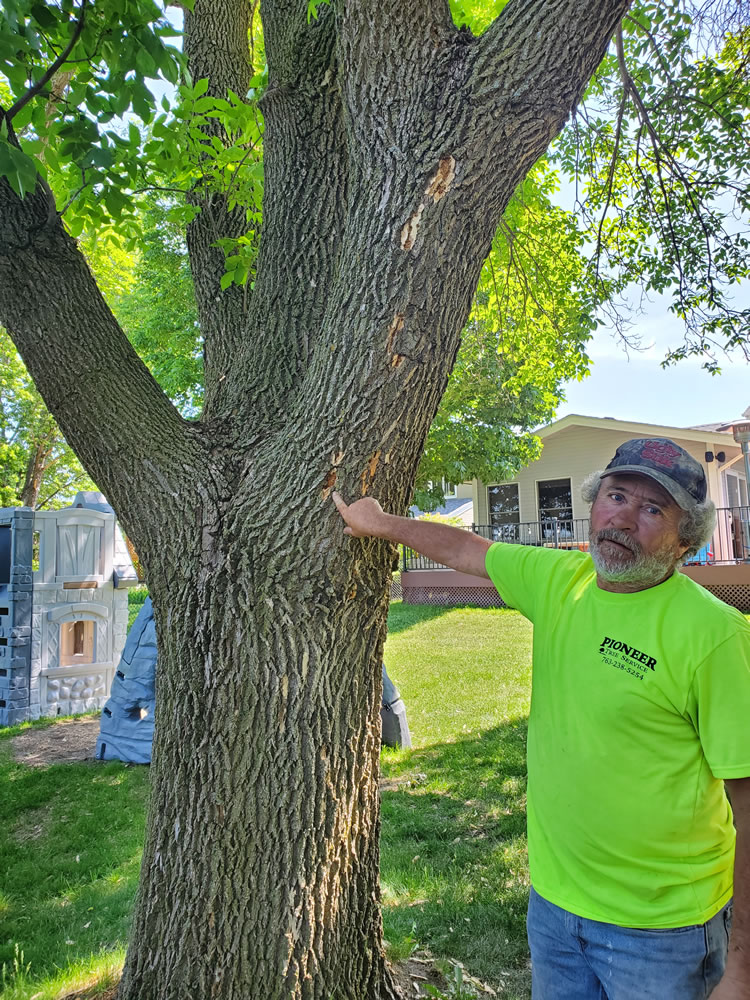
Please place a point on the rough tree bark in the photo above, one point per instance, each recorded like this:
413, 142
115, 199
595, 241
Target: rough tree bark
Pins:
393, 143
35, 468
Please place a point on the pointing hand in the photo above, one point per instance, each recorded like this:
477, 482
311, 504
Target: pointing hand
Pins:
363, 517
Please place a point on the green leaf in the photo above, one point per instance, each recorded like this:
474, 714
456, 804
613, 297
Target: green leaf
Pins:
18, 168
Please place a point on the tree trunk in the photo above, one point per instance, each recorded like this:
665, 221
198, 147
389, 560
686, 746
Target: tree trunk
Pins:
393, 143
35, 469
259, 877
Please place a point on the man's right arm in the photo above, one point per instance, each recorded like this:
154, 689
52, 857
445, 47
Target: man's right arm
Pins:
455, 547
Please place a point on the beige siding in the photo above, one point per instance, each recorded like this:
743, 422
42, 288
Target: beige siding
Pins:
573, 453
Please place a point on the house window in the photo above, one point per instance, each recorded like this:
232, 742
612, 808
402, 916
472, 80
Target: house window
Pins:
555, 499
736, 490
505, 511
76, 643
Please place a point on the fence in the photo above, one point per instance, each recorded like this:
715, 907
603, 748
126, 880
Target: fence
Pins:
729, 544
731, 539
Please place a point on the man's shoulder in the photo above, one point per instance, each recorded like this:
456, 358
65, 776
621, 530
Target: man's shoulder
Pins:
540, 558
708, 607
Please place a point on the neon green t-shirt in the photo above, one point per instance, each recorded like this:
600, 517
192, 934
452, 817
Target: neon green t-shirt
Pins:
640, 705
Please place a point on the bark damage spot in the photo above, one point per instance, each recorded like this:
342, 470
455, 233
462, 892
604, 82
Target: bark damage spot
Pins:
441, 183
438, 187
368, 473
397, 325
328, 483
337, 457
394, 330
409, 231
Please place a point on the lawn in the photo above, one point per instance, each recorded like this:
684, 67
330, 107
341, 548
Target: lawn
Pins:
453, 854
453, 844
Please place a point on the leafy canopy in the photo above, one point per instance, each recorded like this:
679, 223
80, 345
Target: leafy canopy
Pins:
658, 153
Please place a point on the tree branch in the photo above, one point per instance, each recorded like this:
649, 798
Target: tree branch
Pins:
661, 154
565, 42
306, 181
42, 83
125, 431
216, 46
610, 180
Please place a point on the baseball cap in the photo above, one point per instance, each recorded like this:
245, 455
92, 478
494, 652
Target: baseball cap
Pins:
667, 464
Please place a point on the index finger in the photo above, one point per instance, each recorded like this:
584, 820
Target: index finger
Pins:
339, 501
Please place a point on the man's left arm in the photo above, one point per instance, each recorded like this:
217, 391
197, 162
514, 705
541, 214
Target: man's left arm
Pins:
735, 984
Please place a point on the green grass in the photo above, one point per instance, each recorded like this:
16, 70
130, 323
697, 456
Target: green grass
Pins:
136, 599
453, 846
70, 847
454, 873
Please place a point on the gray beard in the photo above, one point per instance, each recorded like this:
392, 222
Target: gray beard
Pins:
646, 571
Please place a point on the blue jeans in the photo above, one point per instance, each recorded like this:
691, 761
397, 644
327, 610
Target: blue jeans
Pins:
573, 958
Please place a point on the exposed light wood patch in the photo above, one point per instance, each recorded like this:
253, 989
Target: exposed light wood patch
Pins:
443, 179
328, 483
410, 230
368, 473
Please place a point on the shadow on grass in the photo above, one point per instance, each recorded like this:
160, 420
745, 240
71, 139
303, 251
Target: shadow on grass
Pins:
453, 851
403, 616
70, 846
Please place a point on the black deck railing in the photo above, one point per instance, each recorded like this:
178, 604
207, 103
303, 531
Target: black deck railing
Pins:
730, 542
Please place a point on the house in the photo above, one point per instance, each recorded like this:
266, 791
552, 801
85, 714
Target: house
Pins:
542, 505
543, 502
458, 505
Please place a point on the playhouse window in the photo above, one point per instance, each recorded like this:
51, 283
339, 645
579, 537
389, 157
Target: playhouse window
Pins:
76, 643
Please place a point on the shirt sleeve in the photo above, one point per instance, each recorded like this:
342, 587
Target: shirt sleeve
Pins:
719, 705
526, 576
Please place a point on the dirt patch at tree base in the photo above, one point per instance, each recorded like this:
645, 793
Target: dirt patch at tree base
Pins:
65, 742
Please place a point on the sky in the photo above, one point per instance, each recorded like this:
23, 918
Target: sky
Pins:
634, 386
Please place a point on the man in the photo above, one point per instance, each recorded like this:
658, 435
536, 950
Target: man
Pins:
640, 715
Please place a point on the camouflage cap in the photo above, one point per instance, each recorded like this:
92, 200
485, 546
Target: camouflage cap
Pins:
667, 464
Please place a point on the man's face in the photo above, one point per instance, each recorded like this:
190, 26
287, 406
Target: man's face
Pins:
634, 538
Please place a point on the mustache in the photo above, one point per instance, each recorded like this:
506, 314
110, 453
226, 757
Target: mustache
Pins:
614, 535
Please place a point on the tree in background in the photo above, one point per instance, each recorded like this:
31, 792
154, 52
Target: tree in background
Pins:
533, 314
393, 142
37, 467
158, 311
151, 293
